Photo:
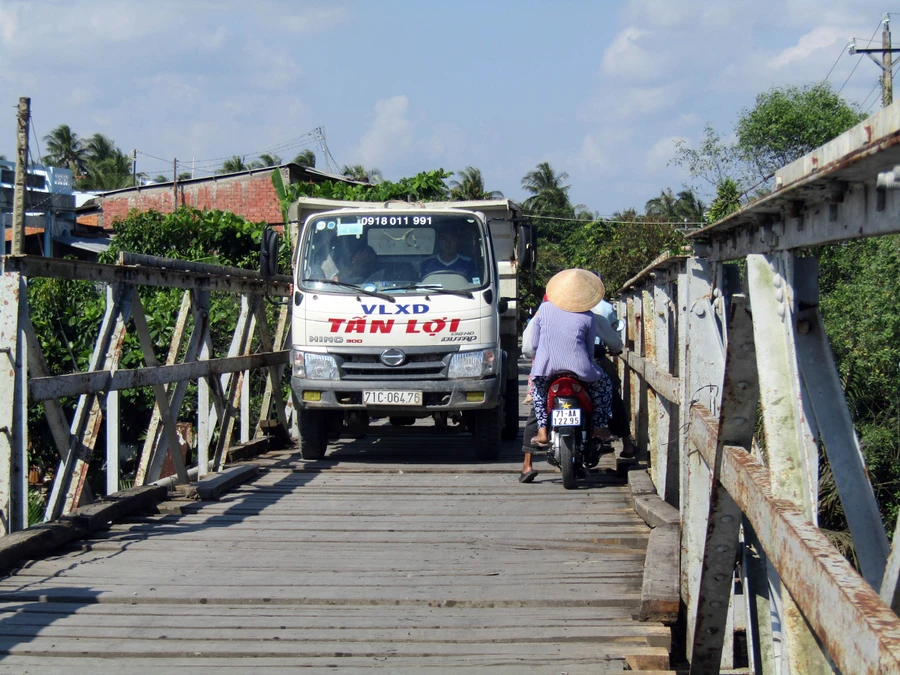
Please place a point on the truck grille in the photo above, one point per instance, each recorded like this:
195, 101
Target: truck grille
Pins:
365, 364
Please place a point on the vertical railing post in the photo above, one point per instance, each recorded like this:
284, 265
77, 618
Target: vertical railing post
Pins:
112, 442
13, 403
705, 363
791, 449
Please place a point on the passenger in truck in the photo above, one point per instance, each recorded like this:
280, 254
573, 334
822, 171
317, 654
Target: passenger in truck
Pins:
448, 258
356, 261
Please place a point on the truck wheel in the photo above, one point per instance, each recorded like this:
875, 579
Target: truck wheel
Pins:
511, 412
313, 433
488, 428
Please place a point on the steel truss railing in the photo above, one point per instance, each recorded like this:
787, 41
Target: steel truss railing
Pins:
729, 339
223, 382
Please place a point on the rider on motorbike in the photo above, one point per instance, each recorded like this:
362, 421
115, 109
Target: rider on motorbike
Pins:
563, 340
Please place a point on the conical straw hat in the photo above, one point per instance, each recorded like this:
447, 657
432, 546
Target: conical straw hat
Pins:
575, 290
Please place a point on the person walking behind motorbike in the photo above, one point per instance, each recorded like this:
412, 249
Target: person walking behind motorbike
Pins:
563, 340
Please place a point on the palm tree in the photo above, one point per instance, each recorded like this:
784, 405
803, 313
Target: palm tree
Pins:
159, 178
663, 207
233, 165
549, 196
65, 149
185, 175
306, 158
471, 186
265, 160
111, 173
361, 173
99, 148
689, 208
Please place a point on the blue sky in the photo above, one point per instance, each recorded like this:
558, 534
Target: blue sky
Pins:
599, 89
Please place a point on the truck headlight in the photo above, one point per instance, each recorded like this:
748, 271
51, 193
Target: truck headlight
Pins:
314, 366
320, 367
473, 364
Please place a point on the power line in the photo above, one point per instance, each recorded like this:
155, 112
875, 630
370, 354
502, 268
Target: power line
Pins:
613, 219
840, 54
871, 39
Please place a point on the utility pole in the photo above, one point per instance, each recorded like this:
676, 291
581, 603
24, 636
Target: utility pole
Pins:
174, 184
18, 241
134, 167
887, 83
886, 63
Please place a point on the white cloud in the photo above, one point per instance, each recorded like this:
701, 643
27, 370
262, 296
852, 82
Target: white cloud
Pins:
9, 20
592, 155
210, 41
389, 135
625, 58
806, 48
627, 104
660, 153
314, 20
82, 95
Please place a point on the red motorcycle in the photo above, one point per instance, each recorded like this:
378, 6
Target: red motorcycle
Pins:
570, 423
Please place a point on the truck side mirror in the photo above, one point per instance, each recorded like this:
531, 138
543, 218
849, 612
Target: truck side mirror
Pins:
268, 253
502, 305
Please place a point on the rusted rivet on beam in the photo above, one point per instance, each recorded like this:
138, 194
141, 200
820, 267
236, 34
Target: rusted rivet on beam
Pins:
776, 280
780, 311
727, 519
779, 294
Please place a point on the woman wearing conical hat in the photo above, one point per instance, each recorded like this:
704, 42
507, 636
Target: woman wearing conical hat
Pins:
563, 340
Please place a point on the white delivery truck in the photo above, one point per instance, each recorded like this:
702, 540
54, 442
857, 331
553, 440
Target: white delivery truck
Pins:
406, 311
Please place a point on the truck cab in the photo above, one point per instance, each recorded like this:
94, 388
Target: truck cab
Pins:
398, 313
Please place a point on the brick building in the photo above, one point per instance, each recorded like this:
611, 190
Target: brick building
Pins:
248, 193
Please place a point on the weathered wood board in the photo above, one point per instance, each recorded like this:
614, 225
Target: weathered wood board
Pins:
396, 553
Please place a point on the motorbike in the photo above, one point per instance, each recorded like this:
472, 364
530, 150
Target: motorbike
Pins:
570, 420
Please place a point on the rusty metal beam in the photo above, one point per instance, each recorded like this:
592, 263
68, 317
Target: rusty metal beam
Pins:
661, 382
162, 399
48, 388
860, 633
70, 481
38, 266
737, 420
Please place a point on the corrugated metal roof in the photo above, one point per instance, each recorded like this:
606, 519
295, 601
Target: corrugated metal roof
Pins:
92, 244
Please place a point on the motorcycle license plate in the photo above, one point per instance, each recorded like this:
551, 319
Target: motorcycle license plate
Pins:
389, 397
570, 417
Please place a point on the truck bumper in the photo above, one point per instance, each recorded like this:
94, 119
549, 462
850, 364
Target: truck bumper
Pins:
437, 395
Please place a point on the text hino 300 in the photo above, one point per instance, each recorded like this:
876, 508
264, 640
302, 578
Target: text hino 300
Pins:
406, 311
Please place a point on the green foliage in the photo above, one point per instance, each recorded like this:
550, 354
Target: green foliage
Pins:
67, 314
727, 201
788, 122
860, 284
37, 504
306, 158
423, 187
470, 186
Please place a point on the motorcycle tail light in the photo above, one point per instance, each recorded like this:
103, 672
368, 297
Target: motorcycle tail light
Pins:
576, 387
554, 388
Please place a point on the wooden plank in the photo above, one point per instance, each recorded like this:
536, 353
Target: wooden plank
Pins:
116, 506
388, 554
660, 598
215, 485
655, 511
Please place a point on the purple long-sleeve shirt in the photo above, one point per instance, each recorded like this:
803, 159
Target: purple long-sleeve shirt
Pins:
564, 341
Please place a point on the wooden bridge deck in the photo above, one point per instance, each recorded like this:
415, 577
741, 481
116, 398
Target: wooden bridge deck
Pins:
399, 554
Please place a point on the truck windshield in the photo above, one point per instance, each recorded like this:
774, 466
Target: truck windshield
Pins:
393, 253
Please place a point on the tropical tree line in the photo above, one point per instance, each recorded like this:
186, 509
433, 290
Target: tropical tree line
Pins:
98, 164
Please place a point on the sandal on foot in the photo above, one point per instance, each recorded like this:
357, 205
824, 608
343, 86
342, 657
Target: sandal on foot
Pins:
528, 477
